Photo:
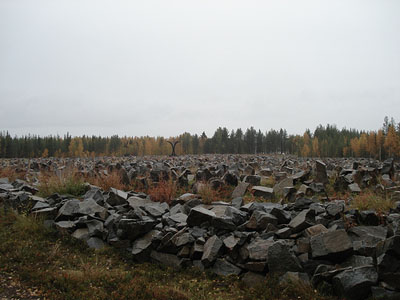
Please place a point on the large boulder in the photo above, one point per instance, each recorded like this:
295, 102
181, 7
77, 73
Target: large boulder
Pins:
333, 245
355, 283
211, 250
281, 259
199, 215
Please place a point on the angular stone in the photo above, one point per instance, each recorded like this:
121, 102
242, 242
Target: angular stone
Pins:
132, 229
259, 220
116, 197
262, 191
315, 230
231, 242
95, 243
69, 209
366, 238
211, 250
283, 216
303, 220
253, 179
334, 209
240, 190
285, 183
141, 247
169, 260
354, 188
355, 284
280, 259
135, 201
81, 234
156, 209
237, 202
334, 245
178, 218
224, 268
199, 215
90, 207
258, 249
321, 175
223, 223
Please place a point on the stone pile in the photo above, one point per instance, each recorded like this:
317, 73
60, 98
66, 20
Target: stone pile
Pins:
354, 253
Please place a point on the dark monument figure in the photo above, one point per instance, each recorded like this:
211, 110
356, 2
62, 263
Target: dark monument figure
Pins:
173, 145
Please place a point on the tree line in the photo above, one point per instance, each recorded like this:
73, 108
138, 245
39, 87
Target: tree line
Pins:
325, 141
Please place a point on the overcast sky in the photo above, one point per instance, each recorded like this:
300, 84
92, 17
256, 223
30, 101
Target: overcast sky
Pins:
162, 67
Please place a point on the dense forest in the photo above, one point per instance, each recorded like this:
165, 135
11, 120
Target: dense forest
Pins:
325, 141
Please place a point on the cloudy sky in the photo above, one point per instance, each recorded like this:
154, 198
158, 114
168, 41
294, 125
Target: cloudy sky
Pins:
163, 67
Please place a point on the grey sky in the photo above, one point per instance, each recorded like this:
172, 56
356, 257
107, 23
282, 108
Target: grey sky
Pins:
164, 67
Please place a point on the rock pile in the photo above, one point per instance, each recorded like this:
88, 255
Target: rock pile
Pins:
354, 253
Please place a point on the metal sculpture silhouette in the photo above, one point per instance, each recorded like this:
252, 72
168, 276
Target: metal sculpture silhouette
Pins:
173, 145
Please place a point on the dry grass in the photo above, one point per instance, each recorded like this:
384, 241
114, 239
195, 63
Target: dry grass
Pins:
12, 173
163, 191
68, 183
209, 195
368, 200
112, 180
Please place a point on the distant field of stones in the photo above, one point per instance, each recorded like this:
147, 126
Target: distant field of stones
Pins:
332, 223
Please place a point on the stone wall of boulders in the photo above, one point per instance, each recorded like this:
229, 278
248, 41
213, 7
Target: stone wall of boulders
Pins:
353, 253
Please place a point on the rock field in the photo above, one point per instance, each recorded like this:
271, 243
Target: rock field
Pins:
298, 231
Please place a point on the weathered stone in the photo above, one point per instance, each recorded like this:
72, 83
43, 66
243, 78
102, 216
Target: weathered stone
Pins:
283, 216
169, 260
81, 234
224, 268
253, 179
141, 248
280, 259
69, 209
90, 207
224, 223
303, 220
262, 191
199, 215
231, 242
355, 284
211, 250
366, 238
237, 202
334, 245
334, 209
314, 230
116, 197
132, 229
285, 183
321, 175
354, 188
259, 220
95, 243
240, 189
258, 249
